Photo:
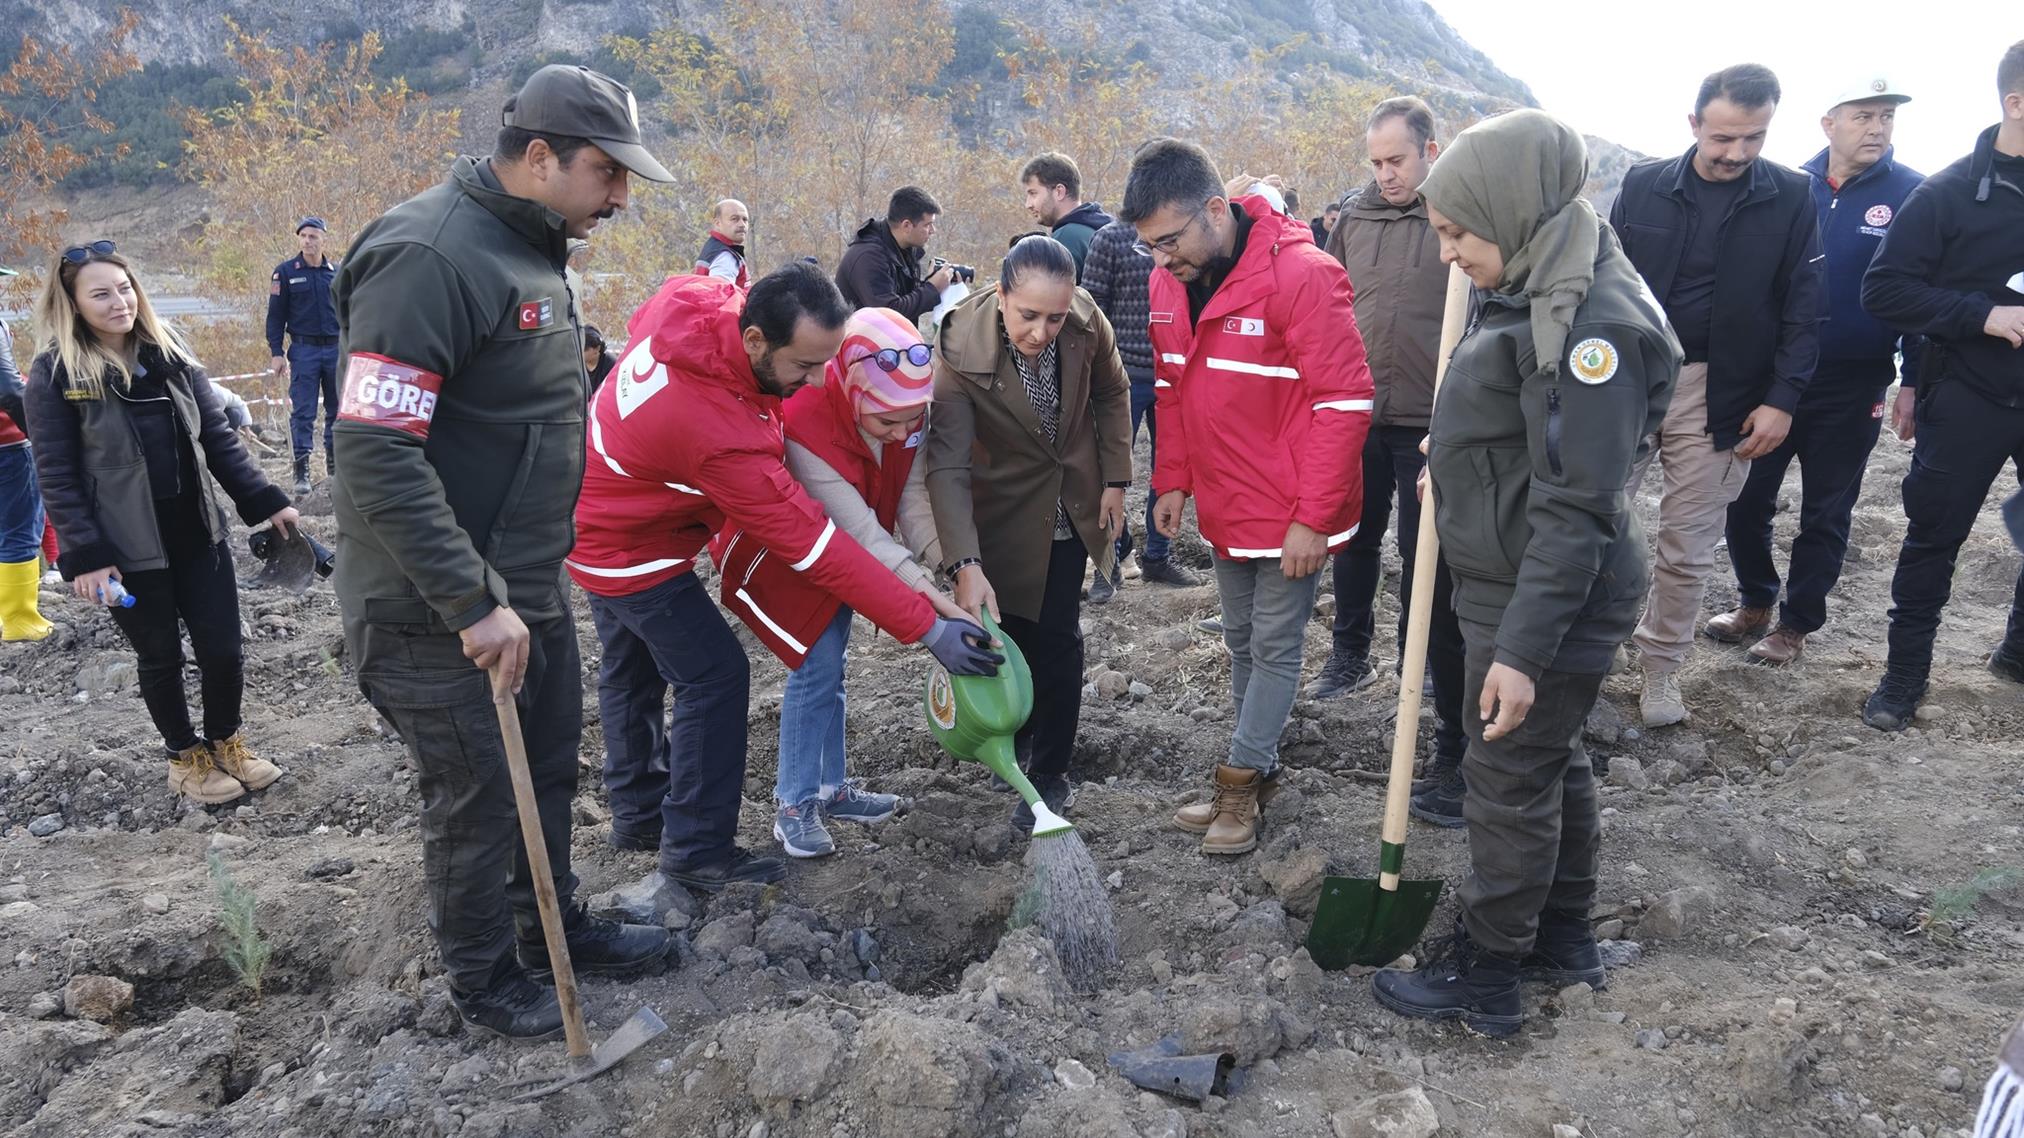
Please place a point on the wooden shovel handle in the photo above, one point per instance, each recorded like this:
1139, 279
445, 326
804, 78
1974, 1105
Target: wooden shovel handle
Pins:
544, 879
1406, 730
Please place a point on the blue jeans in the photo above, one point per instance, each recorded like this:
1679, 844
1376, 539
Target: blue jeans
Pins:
312, 370
1142, 411
20, 506
811, 718
1265, 628
681, 784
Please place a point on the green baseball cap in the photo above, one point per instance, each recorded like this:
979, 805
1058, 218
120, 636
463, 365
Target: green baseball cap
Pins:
564, 99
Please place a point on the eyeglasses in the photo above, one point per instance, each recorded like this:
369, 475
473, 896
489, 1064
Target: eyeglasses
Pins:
79, 254
1168, 243
888, 359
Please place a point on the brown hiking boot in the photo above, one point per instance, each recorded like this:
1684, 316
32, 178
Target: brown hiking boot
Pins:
1195, 819
1234, 828
1781, 647
1738, 625
193, 775
232, 757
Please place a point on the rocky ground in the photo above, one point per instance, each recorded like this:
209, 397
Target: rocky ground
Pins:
1819, 926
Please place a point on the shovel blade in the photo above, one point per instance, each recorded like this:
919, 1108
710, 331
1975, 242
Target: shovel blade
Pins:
292, 567
1359, 923
631, 1035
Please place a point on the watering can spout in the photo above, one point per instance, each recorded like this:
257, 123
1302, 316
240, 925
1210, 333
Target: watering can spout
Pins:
976, 718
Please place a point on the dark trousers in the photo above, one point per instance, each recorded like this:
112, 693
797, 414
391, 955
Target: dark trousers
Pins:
1534, 829
481, 893
1052, 646
197, 591
1833, 431
312, 371
1142, 411
682, 785
1391, 468
1963, 441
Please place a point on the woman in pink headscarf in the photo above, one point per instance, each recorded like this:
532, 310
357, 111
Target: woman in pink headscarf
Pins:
851, 443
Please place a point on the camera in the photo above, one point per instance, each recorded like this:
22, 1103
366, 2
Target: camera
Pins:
965, 273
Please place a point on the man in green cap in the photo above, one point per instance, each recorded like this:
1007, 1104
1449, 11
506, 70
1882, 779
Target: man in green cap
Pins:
1547, 402
460, 441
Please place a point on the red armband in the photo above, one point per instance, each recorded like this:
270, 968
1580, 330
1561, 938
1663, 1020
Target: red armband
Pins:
389, 393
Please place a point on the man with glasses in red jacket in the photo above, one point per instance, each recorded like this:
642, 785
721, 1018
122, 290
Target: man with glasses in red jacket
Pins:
1264, 400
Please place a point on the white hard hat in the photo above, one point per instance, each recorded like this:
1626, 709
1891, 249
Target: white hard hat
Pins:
1875, 87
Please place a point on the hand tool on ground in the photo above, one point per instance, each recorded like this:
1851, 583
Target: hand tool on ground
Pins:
1372, 922
584, 1062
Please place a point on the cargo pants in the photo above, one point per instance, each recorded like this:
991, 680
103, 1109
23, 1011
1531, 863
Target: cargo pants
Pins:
473, 861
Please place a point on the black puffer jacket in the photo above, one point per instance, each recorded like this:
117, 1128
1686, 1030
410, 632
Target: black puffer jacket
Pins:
876, 273
95, 478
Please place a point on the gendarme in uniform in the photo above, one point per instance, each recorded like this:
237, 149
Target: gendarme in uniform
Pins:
461, 447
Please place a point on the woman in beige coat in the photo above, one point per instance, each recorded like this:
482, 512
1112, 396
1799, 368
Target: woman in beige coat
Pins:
1028, 455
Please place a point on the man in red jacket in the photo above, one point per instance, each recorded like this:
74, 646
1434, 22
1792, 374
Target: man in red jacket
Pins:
686, 438
1263, 399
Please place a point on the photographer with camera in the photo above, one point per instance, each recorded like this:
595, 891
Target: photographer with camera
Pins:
881, 268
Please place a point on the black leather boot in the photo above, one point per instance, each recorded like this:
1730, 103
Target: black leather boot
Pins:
1460, 982
514, 1007
301, 475
1564, 952
600, 947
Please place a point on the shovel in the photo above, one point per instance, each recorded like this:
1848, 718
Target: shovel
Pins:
1358, 920
584, 1062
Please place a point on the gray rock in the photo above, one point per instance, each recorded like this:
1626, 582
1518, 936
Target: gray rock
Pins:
795, 1062
156, 903
1791, 938
722, 935
1022, 971
1113, 685
784, 938
1651, 1039
1173, 639
863, 946
1605, 724
173, 1072
1072, 1074
1248, 1027
1577, 998
1262, 926
1297, 878
1951, 1079
387, 1098
1768, 1063
647, 901
325, 868
46, 825
1609, 929
100, 999
1620, 953
1679, 912
1405, 1114
1627, 772
42, 1005
918, 1075
466, 1073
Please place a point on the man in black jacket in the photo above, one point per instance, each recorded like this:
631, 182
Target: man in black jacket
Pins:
881, 268
1730, 244
1952, 269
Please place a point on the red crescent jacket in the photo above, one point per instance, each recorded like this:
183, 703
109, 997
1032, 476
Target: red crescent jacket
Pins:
683, 444
783, 608
1263, 403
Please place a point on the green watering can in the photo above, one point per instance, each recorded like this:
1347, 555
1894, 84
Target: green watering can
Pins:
975, 718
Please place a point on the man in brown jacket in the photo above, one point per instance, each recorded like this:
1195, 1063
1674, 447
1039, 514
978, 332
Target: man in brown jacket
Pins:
1028, 455
1393, 258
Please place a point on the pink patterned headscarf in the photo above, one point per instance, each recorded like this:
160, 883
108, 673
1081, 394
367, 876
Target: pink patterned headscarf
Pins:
872, 389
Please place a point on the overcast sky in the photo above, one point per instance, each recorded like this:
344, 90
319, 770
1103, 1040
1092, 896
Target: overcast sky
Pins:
1628, 71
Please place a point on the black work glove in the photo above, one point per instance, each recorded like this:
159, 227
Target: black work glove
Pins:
963, 648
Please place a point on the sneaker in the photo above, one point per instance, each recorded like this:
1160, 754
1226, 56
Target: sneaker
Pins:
1163, 571
739, 866
1739, 624
1564, 953
1211, 624
232, 757
1055, 791
2008, 662
635, 842
599, 946
194, 775
1462, 982
1441, 804
1662, 705
1894, 702
800, 831
853, 803
1103, 586
514, 1008
1342, 675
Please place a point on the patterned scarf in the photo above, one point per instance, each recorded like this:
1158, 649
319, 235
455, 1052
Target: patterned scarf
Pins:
1042, 378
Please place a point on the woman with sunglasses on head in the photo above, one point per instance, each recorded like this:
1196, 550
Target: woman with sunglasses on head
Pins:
126, 426
851, 443
1028, 457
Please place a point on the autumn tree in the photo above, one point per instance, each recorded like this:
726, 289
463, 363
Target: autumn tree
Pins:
49, 128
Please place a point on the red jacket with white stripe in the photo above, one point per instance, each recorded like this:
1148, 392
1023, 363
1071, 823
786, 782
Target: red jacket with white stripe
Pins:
1263, 403
783, 608
683, 443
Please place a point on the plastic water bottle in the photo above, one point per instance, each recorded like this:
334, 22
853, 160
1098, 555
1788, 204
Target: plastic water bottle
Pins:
113, 593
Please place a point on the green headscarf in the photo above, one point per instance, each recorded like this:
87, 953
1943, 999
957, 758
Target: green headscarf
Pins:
1515, 180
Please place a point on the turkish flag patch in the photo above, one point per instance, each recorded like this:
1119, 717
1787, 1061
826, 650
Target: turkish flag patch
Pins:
389, 393
536, 314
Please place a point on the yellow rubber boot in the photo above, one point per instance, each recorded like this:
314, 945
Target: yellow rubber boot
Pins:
19, 618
